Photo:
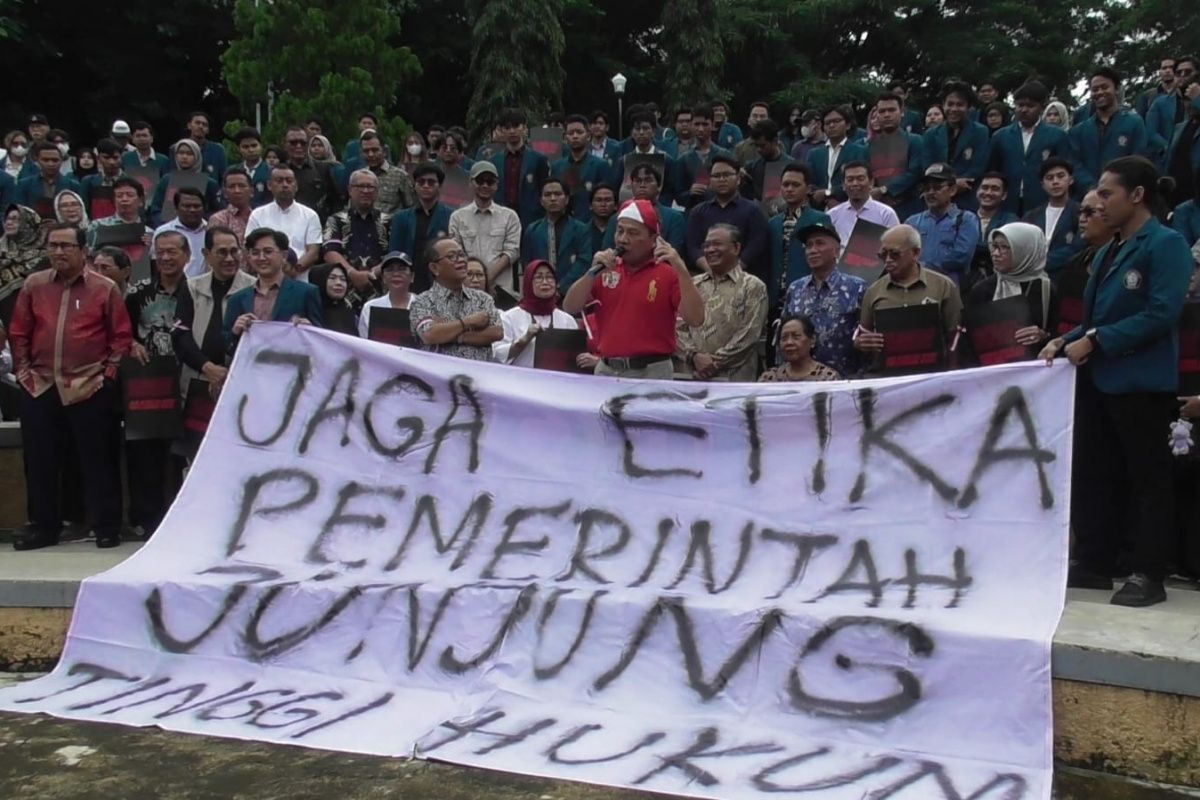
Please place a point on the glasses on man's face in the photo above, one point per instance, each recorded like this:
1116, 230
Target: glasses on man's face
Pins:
366, 187
296, 142
722, 176
888, 254
427, 182
1087, 212
457, 255
265, 253
62, 246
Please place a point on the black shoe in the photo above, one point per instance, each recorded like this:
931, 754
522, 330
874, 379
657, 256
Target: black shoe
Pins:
1080, 577
31, 538
1139, 591
105, 540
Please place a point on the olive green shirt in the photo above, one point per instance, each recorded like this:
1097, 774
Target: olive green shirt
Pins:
929, 287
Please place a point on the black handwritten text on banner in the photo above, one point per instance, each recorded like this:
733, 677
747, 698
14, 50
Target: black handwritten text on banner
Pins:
711, 591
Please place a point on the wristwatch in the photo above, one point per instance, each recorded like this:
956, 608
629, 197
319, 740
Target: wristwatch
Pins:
1094, 337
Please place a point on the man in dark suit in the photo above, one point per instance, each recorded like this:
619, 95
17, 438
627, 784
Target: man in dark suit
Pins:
273, 296
425, 222
520, 168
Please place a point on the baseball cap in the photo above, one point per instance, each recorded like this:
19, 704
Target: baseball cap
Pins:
394, 257
938, 172
642, 212
38, 119
483, 168
820, 226
120, 127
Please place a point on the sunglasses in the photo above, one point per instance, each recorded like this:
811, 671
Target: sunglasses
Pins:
886, 254
428, 182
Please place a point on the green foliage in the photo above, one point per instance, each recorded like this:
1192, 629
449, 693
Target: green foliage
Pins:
691, 52
329, 59
516, 59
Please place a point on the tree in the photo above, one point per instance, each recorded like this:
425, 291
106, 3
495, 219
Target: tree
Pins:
516, 59
692, 55
329, 59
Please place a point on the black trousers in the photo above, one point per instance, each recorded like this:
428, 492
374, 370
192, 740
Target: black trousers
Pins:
1123, 475
45, 423
154, 478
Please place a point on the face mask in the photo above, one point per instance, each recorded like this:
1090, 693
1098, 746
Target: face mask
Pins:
807, 131
63, 148
414, 149
19, 151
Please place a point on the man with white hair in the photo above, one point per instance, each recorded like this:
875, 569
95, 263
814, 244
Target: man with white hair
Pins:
906, 282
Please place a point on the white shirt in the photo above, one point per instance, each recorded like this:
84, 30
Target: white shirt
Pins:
299, 222
516, 322
835, 151
364, 316
845, 216
1052, 215
1027, 136
196, 265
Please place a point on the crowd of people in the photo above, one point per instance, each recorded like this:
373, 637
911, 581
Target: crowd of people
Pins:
820, 250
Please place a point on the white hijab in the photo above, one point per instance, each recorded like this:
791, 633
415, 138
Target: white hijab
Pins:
1029, 249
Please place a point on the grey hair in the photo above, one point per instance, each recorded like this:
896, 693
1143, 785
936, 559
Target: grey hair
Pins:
365, 172
735, 233
184, 244
912, 237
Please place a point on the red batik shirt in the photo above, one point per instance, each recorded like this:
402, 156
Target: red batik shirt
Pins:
68, 334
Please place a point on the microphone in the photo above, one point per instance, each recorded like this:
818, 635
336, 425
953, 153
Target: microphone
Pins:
619, 250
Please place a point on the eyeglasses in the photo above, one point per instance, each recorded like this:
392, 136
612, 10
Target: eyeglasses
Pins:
997, 247
721, 176
366, 187
300, 142
427, 182
267, 253
62, 246
1087, 212
457, 255
889, 255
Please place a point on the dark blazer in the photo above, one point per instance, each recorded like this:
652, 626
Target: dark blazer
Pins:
1134, 304
403, 233
970, 159
534, 171
296, 299
818, 162
1022, 167
1064, 242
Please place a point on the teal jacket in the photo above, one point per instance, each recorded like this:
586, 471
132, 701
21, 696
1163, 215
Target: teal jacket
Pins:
902, 188
258, 182
1176, 142
1089, 151
688, 168
130, 159
534, 171
1134, 305
1186, 220
212, 199
295, 299
28, 170
913, 121
970, 158
29, 193
574, 251
588, 173
1065, 240
1021, 167
672, 227
782, 276
1160, 121
818, 162
403, 233
728, 135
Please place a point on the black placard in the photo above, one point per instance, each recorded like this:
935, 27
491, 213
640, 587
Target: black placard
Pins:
150, 398
1069, 294
197, 413
557, 348
130, 237
100, 202
860, 257
913, 339
390, 326
992, 328
547, 141
1189, 350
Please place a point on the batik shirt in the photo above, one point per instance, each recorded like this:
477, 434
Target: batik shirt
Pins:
833, 307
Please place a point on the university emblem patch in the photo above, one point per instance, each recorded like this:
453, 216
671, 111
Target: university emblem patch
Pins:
1133, 279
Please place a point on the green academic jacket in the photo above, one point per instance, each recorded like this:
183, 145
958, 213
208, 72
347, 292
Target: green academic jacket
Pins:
1089, 151
1134, 305
534, 171
1021, 167
818, 162
581, 178
1065, 240
573, 254
970, 157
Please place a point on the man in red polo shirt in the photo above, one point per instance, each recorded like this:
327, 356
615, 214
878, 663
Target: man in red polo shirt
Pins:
640, 288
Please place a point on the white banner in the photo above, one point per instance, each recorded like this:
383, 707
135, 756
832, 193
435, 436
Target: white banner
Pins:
839, 590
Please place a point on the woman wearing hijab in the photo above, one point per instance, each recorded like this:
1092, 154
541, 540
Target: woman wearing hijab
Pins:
22, 251
322, 152
337, 314
68, 208
537, 310
188, 158
1056, 115
1019, 258
85, 163
797, 338
995, 116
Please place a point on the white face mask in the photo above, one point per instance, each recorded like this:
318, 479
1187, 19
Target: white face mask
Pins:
19, 151
414, 149
807, 131
63, 148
